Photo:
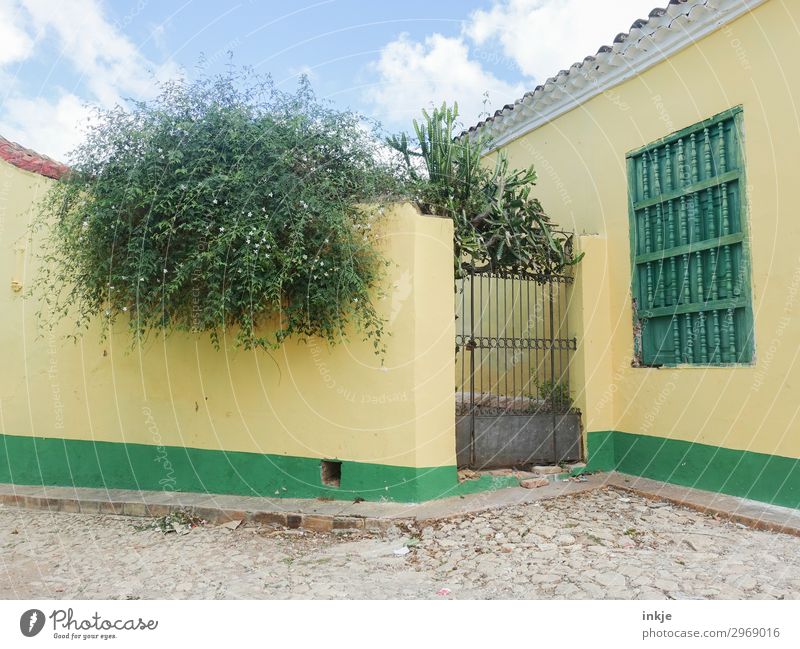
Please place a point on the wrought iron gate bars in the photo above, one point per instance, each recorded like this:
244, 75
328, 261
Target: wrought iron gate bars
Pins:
539, 353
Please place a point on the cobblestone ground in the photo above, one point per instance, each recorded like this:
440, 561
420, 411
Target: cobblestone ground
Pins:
602, 544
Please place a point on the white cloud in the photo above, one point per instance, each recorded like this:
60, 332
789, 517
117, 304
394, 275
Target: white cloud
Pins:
542, 37
110, 65
15, 42
533, 39
53, 128
413, 75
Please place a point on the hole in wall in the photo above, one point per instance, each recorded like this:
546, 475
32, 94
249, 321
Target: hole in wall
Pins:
331, 473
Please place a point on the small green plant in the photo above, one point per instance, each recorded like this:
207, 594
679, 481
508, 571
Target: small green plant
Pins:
180, 522
554, 392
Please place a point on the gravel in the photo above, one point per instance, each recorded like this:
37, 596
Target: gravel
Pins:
599, 545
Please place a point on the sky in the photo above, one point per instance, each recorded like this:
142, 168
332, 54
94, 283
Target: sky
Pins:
384, 58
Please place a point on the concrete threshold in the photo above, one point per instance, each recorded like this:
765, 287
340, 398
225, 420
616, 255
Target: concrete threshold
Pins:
328, 515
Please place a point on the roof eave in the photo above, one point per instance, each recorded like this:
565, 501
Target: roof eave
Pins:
664, 33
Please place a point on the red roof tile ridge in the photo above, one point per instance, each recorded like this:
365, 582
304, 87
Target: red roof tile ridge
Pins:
29, 160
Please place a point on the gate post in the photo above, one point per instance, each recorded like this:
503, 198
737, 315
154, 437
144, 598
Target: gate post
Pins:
551, 341
471, 346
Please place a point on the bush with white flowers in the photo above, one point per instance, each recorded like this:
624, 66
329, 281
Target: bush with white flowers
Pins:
222, 205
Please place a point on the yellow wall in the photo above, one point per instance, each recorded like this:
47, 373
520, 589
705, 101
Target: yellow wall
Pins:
305, 399
580, 158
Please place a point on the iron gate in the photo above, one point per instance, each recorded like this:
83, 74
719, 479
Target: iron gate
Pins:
513, 350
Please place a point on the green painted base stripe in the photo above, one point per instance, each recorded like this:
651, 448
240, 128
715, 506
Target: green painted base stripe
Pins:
600, 451
768, 478
47, 461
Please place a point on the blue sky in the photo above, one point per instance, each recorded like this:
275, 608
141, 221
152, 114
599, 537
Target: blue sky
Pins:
386, 59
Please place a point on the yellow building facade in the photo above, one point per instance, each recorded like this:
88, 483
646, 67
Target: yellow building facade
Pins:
176, 414
693, 115
727, 424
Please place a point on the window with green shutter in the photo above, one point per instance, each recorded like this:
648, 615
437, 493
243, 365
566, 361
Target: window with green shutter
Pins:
691, 277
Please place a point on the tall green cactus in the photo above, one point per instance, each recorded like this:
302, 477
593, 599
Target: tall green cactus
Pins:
498, 224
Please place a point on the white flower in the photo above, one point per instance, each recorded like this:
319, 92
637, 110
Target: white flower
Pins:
247, 240
165, 271
355, 299
222, 229
215, 201
268, 246
305, 256
249, 214
124, 308
141, 279
326, 241
270, 194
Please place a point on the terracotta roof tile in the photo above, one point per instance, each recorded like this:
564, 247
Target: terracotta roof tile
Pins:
29, 160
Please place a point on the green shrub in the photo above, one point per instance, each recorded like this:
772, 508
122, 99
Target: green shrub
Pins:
223, 202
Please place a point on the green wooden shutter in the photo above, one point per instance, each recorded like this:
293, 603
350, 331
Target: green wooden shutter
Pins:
691, 277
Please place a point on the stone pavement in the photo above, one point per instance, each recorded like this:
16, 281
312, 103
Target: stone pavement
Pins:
598, 542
